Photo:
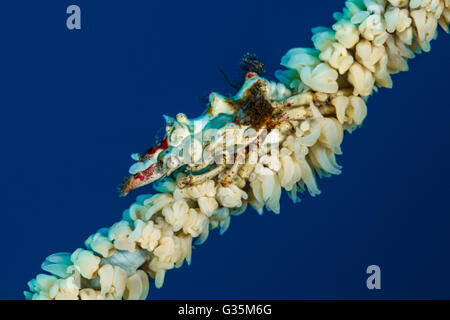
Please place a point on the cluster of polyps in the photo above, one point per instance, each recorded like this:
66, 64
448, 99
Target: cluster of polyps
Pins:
244, 149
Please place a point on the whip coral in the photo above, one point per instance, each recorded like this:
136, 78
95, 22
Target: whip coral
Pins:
243, 150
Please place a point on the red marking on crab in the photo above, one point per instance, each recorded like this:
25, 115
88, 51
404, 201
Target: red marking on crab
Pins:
138, 180
250, 75
163, 145
146, 176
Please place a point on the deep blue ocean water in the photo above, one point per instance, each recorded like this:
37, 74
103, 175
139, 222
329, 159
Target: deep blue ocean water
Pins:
75, 104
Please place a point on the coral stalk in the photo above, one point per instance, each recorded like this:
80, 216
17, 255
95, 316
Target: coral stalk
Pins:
243, 150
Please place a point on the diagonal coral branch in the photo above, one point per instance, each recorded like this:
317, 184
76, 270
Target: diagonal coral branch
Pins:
283, 134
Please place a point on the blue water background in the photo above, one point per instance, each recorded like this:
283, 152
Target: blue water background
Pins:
75, 104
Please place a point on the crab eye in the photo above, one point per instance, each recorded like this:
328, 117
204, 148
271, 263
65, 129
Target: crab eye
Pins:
181, 118
173, 162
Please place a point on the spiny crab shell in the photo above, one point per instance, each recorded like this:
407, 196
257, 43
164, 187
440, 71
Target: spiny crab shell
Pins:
194, 150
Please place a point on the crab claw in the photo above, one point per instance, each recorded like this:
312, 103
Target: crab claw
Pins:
140, 179
146, 170
155, 150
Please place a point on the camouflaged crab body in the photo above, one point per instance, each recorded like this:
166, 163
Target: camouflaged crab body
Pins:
202, 147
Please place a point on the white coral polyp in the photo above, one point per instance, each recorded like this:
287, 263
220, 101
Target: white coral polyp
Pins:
113, 281
123, 236
362, 79
231, 197
100, 244
322, 93
369, 55
346, 33
86, 262
374, 28
195, 223
290, 172
137, 286
64, 289
207, 205
320, 78
351, 111
426, 24
149, 236
340, 58
175, 214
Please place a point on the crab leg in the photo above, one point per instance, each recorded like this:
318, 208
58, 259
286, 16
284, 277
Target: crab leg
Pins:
191, 180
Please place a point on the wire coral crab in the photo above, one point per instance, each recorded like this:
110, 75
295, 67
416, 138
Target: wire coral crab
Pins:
245, 149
